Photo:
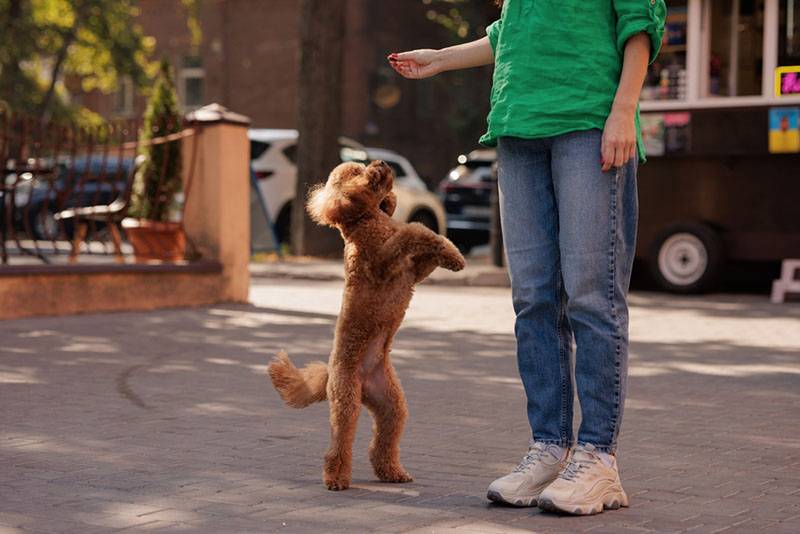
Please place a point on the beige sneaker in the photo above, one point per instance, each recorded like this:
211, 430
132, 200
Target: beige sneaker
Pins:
585, 486
537, 470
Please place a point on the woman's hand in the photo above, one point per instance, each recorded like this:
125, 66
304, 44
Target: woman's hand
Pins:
417, 64
425, 63
619, 133
619, 138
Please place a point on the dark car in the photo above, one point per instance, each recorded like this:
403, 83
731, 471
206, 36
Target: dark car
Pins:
466, 194
84, 181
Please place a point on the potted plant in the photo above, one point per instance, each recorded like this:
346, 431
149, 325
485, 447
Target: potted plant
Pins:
153, 225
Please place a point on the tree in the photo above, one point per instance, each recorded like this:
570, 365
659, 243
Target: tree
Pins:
159, 178
43, 42
319, 116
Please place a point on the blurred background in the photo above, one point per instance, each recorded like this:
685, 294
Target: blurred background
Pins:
720, 112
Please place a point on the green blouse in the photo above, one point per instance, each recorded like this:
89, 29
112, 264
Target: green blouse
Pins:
558, 63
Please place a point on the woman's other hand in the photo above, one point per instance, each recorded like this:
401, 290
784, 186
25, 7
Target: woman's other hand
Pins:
619, 138
417, 64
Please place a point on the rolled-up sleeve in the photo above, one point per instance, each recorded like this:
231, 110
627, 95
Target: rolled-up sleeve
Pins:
493, 32
636, 16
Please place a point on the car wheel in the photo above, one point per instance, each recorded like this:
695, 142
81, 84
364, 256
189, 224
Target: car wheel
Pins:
686, 258
45, 225
426, 219
463, 248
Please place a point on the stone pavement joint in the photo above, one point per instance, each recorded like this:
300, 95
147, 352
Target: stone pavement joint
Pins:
196, 439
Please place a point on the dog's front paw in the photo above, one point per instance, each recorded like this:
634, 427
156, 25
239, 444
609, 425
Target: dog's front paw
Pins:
451, 258
454, 264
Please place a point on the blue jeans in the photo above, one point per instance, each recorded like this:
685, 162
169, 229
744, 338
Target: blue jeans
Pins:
570, 231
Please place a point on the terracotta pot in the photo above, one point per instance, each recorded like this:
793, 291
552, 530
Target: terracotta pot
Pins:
152, 240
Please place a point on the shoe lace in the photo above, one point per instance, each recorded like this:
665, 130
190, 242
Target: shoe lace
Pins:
533, 455
575, 467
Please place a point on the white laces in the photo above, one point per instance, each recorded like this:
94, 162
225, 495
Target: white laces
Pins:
579, 463
533, 456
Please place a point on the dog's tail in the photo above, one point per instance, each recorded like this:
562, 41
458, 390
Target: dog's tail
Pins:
298, 387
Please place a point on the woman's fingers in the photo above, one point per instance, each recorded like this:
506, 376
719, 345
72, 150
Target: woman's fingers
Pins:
620, 155
616, 153
403, 56
607, 150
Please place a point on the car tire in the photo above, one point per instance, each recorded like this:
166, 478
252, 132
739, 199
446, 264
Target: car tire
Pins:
463, 248
45, 226
426, 219
687, 258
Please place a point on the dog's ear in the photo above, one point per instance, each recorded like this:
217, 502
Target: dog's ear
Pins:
389, 203
327, 207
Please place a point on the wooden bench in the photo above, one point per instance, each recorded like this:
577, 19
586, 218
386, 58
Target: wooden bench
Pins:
109, 214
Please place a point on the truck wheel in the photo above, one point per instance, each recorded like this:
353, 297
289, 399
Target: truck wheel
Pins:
686, 258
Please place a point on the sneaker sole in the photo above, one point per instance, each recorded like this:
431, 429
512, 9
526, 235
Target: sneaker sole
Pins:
525, 502
613, 501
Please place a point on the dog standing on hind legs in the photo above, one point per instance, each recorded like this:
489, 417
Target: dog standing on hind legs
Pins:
383, 261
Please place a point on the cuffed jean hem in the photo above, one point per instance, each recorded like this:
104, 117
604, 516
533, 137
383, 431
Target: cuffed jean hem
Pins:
560, 442
608, 449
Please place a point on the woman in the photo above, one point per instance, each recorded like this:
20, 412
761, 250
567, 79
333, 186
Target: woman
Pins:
564, 118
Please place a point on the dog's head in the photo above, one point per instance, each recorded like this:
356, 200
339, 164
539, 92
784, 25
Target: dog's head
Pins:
352, 190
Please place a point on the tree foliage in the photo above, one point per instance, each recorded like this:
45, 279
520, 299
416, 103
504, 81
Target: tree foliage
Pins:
463, 19
45, 42
159, 179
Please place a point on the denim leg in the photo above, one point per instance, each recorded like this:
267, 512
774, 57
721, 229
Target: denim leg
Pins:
530, 232
597, 235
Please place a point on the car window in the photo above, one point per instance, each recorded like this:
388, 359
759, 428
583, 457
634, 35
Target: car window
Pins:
399, 172
257, 148
291, 153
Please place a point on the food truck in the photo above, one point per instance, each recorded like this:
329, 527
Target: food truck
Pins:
719, 116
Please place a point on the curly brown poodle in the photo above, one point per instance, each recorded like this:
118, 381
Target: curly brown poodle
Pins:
383, 261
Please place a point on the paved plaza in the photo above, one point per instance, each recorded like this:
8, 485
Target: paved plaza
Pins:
166, 421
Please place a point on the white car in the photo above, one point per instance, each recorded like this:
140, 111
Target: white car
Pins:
273, 155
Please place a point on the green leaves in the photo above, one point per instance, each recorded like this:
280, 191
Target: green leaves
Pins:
160, 177
45, 42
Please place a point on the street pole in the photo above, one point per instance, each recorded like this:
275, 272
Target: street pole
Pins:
496, 230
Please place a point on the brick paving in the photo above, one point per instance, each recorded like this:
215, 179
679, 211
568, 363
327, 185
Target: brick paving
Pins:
165, 421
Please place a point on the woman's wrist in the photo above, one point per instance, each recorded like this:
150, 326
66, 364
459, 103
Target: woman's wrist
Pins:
625, 106
442, 60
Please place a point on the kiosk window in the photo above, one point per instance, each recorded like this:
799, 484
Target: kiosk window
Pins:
735, 59
666, 77
789, 34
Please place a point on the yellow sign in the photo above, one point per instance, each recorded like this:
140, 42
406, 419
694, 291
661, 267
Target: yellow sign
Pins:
787, 81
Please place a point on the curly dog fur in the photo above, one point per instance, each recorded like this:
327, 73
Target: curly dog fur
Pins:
383, 261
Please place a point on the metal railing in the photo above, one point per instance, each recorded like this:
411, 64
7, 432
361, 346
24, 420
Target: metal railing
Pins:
65, 190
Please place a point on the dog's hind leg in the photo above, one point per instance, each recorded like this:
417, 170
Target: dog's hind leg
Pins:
384, 398
344, 396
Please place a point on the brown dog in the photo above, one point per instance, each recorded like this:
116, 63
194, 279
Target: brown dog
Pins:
383, 261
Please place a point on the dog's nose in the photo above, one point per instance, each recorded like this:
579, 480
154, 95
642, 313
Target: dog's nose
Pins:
380, 163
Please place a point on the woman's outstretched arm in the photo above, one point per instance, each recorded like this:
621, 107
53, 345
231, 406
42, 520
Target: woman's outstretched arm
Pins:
425, 63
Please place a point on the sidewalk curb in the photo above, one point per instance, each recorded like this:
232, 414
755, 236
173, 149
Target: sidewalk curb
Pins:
323, 272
